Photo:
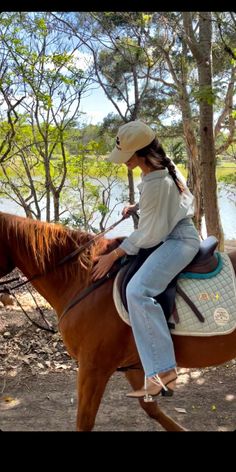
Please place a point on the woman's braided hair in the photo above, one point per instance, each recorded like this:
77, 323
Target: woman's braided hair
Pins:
156, 158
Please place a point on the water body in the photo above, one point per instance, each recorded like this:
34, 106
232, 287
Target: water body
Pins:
226, 200
227, 208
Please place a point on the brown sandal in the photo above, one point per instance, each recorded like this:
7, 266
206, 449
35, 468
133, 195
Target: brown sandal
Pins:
153, 386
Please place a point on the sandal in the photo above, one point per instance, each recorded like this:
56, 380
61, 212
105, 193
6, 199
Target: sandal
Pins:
154, 385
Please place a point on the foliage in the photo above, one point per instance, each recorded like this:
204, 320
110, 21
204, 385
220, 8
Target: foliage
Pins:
229, 179
142, 61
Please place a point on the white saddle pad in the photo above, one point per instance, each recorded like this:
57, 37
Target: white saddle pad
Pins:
215, 298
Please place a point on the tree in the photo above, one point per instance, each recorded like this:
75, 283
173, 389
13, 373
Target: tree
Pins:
46, 67
224, 67
118, 44
174, 75
8, 92
202, 51
90, 187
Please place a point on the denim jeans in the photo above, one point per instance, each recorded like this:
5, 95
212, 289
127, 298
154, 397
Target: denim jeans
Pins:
150, 329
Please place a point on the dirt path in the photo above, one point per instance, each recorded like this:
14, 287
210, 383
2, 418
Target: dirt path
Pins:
47, 402
38, 385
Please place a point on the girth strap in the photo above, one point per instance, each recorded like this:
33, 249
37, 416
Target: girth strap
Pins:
190, 303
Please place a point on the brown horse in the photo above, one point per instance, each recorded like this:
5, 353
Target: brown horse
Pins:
92, 331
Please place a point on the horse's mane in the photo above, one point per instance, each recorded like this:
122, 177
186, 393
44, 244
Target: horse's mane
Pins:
48, 243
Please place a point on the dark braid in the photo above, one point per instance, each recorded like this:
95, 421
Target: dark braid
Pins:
156, 158
167, 162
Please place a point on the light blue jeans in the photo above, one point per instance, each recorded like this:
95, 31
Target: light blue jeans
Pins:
149, 325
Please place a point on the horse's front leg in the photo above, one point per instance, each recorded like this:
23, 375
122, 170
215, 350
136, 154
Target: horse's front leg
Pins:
91, 385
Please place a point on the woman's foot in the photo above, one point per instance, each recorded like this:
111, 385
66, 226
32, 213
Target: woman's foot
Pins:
163, 383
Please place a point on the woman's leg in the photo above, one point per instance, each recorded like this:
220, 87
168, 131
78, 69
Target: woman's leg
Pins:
148, 321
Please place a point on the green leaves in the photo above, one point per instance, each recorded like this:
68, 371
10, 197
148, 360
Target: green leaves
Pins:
41, 24
205, 94
103, 209
233, 114
60, 59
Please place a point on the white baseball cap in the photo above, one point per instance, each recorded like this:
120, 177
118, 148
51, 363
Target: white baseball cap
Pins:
131, 137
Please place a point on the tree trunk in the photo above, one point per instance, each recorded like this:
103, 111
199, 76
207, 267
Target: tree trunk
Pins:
56, 201
181, 79
208, 158
131, 195
194, 176
201, 51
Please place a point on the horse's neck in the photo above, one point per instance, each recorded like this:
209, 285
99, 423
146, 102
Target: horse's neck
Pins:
56, 290
60, 285
54, 285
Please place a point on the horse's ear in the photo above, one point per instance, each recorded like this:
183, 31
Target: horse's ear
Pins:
6, 262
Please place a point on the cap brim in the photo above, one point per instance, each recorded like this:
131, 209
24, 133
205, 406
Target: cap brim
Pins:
119, 157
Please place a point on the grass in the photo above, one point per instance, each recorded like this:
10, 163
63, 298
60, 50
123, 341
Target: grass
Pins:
229, 164
221, 170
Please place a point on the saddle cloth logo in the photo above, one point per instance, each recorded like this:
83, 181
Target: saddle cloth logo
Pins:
214, 297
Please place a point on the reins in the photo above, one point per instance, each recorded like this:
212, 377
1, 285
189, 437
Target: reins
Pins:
112, 272
65, 259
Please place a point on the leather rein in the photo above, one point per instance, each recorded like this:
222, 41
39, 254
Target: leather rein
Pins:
64, 260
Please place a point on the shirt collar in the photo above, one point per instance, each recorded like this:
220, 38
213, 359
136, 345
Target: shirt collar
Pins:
155, 174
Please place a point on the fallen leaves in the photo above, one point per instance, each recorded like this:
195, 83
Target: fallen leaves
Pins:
7, 399
180, 410
27, 346
8, 402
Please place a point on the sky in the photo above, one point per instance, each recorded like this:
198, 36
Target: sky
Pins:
96, 106
94, 102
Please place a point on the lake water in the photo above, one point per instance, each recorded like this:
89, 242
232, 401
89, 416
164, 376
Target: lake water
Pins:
227, 207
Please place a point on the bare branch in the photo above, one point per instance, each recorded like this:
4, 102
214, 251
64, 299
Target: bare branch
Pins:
8, 140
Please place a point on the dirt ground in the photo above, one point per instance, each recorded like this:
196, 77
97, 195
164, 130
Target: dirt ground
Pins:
38, 384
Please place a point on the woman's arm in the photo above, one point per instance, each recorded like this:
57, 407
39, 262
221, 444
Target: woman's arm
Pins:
105, 262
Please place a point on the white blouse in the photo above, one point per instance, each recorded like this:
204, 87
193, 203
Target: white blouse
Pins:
161, 206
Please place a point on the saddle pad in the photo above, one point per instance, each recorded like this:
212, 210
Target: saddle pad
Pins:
216, 300
117, 298
214, 297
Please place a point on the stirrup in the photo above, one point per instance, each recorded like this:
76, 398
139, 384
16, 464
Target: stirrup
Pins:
165, 391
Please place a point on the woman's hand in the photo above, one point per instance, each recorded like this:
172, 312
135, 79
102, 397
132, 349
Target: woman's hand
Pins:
103, 265
129, 209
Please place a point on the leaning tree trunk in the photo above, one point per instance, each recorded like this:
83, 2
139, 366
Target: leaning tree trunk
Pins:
208, 158
181, 80
194, 175
194, 169
201, 50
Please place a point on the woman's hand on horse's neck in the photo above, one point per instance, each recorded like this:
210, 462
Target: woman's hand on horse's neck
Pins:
105, 262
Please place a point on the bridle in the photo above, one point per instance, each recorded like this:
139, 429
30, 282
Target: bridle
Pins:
64, 260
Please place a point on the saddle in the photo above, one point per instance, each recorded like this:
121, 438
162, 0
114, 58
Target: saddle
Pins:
205, 261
